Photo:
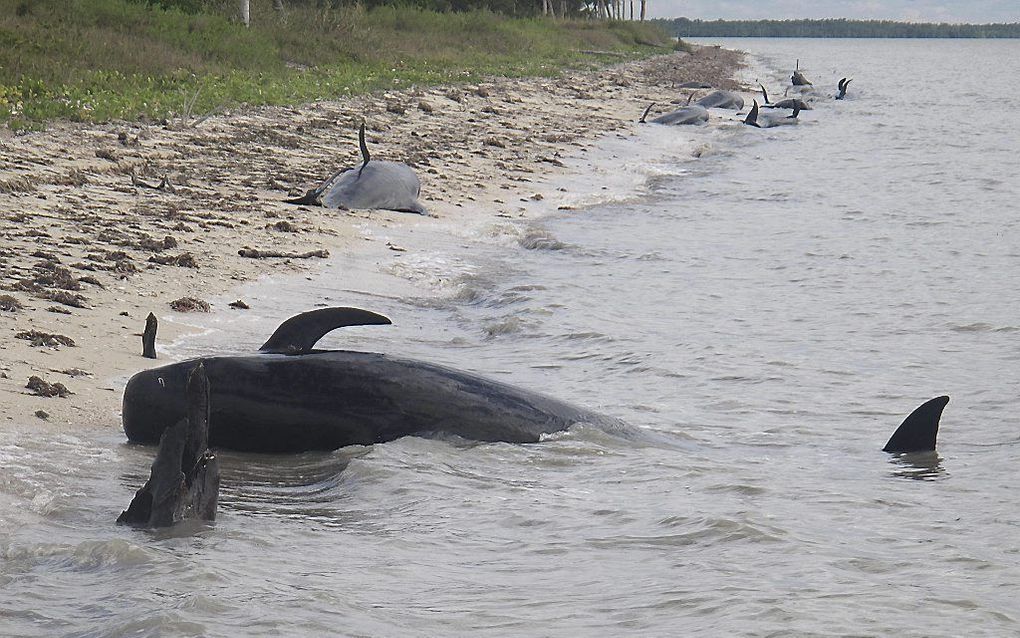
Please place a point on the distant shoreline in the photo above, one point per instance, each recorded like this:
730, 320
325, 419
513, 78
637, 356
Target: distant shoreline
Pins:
835, 28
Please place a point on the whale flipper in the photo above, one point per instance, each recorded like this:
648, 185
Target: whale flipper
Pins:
364, 148
645, 114
918, 431
299, 334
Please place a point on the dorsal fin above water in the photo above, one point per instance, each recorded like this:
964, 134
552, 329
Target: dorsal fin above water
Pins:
300, 333
752, 116
918, 431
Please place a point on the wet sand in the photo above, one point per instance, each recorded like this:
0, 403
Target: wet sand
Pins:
102, 224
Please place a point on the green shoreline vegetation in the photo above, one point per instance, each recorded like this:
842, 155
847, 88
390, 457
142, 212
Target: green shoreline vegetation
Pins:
97, 60
833, 28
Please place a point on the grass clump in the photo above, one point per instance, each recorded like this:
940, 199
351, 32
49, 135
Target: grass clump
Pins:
96, 60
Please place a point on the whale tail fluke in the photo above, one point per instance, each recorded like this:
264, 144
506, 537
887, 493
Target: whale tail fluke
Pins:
842, 86
645, 114
918, 431
299, 334
752, 117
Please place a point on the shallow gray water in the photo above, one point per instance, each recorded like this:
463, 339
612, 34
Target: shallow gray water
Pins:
767, 313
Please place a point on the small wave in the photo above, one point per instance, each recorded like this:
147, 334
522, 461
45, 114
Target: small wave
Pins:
504, 326
540, 239
86, 556
981, 326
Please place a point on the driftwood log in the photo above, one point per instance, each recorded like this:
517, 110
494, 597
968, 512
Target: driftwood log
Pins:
185, 478
149, 337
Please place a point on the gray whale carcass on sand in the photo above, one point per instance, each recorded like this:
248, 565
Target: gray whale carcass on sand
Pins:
291, 398
722, 100
375, 184
690, 114
768, 120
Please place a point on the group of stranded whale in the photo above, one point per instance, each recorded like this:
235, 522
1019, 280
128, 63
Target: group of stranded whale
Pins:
290, 397
698, 111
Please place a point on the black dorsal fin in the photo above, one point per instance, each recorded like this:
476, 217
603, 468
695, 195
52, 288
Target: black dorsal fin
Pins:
918, 431
764, 93
752, 117
300, 333
364, 148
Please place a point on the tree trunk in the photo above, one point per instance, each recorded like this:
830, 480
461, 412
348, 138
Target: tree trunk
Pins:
278, 5
642, 10
245, 13
185, 478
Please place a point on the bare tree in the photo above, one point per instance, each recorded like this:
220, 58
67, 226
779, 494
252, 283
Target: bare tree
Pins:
245, 13
642, 10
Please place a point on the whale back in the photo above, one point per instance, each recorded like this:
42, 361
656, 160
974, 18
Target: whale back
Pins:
918, 431
379, 184
300, 333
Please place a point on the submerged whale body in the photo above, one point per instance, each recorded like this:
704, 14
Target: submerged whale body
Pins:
292, 398
376, 184
767, 120
786, 103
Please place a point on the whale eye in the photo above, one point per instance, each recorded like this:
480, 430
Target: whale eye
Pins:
161, 382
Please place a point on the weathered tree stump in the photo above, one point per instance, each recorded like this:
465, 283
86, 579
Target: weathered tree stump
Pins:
149, 337
185, 478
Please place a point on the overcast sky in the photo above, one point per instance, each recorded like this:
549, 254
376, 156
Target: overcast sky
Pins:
912, 10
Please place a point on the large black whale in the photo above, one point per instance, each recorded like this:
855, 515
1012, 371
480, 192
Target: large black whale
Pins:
292, 398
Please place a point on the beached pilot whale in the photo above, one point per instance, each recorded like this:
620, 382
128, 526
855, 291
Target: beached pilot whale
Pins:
722, 100
787, 103
768, 120
919, 430
291, 398
843, 84
690, 114
375, 184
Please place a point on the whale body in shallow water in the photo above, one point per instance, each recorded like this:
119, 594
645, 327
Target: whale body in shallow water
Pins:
767, 120
691, 114
375, 184
722, 100
292, 398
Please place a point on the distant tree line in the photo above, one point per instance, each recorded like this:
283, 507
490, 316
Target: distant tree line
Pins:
834, 28
598, 9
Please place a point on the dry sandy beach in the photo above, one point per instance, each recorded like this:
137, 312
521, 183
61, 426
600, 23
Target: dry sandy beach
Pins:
102, 224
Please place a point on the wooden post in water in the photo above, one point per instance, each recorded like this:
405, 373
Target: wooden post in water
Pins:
149, 337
